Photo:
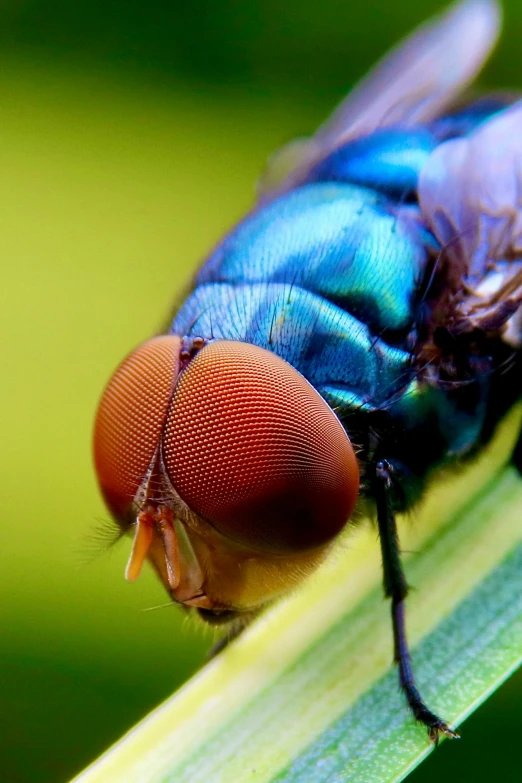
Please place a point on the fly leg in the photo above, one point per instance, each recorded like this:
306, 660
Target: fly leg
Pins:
232, 633
517, 455
396, 588
234, 622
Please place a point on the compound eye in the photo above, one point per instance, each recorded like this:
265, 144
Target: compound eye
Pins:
130, 417
251, 447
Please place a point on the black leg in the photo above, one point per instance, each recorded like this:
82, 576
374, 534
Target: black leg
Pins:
232, 633
517, 455
396, 588
234, 623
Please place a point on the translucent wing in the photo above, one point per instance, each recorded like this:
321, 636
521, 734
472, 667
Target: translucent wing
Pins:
413, 84
470, 193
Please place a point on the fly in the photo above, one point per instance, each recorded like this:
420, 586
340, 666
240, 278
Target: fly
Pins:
360, 328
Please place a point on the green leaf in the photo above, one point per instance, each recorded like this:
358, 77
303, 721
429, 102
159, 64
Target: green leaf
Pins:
308, 693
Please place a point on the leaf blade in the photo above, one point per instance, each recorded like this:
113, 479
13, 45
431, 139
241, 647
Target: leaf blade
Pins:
274, 701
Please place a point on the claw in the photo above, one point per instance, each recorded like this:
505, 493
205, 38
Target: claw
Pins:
441, 727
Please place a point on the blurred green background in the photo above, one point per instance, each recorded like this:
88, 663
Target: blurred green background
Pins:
130, 138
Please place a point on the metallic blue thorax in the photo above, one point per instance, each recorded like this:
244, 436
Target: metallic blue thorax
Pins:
330, 277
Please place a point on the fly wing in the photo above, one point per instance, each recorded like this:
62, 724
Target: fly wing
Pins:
470, 194
413, 84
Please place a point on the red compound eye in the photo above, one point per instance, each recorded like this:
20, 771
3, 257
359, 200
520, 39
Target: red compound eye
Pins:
251, 447
130, 419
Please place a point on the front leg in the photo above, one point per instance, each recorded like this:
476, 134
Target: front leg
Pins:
396, 588
233, 622
517, 455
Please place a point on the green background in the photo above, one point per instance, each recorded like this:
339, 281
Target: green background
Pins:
131, 135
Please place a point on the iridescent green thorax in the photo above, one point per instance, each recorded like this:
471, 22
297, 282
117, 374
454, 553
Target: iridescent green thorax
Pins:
332, 277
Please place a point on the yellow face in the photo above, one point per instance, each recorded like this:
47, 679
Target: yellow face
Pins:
233, 578
232, 471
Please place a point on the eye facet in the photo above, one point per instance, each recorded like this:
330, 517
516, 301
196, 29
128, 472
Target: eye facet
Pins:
130, 418
252, 448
